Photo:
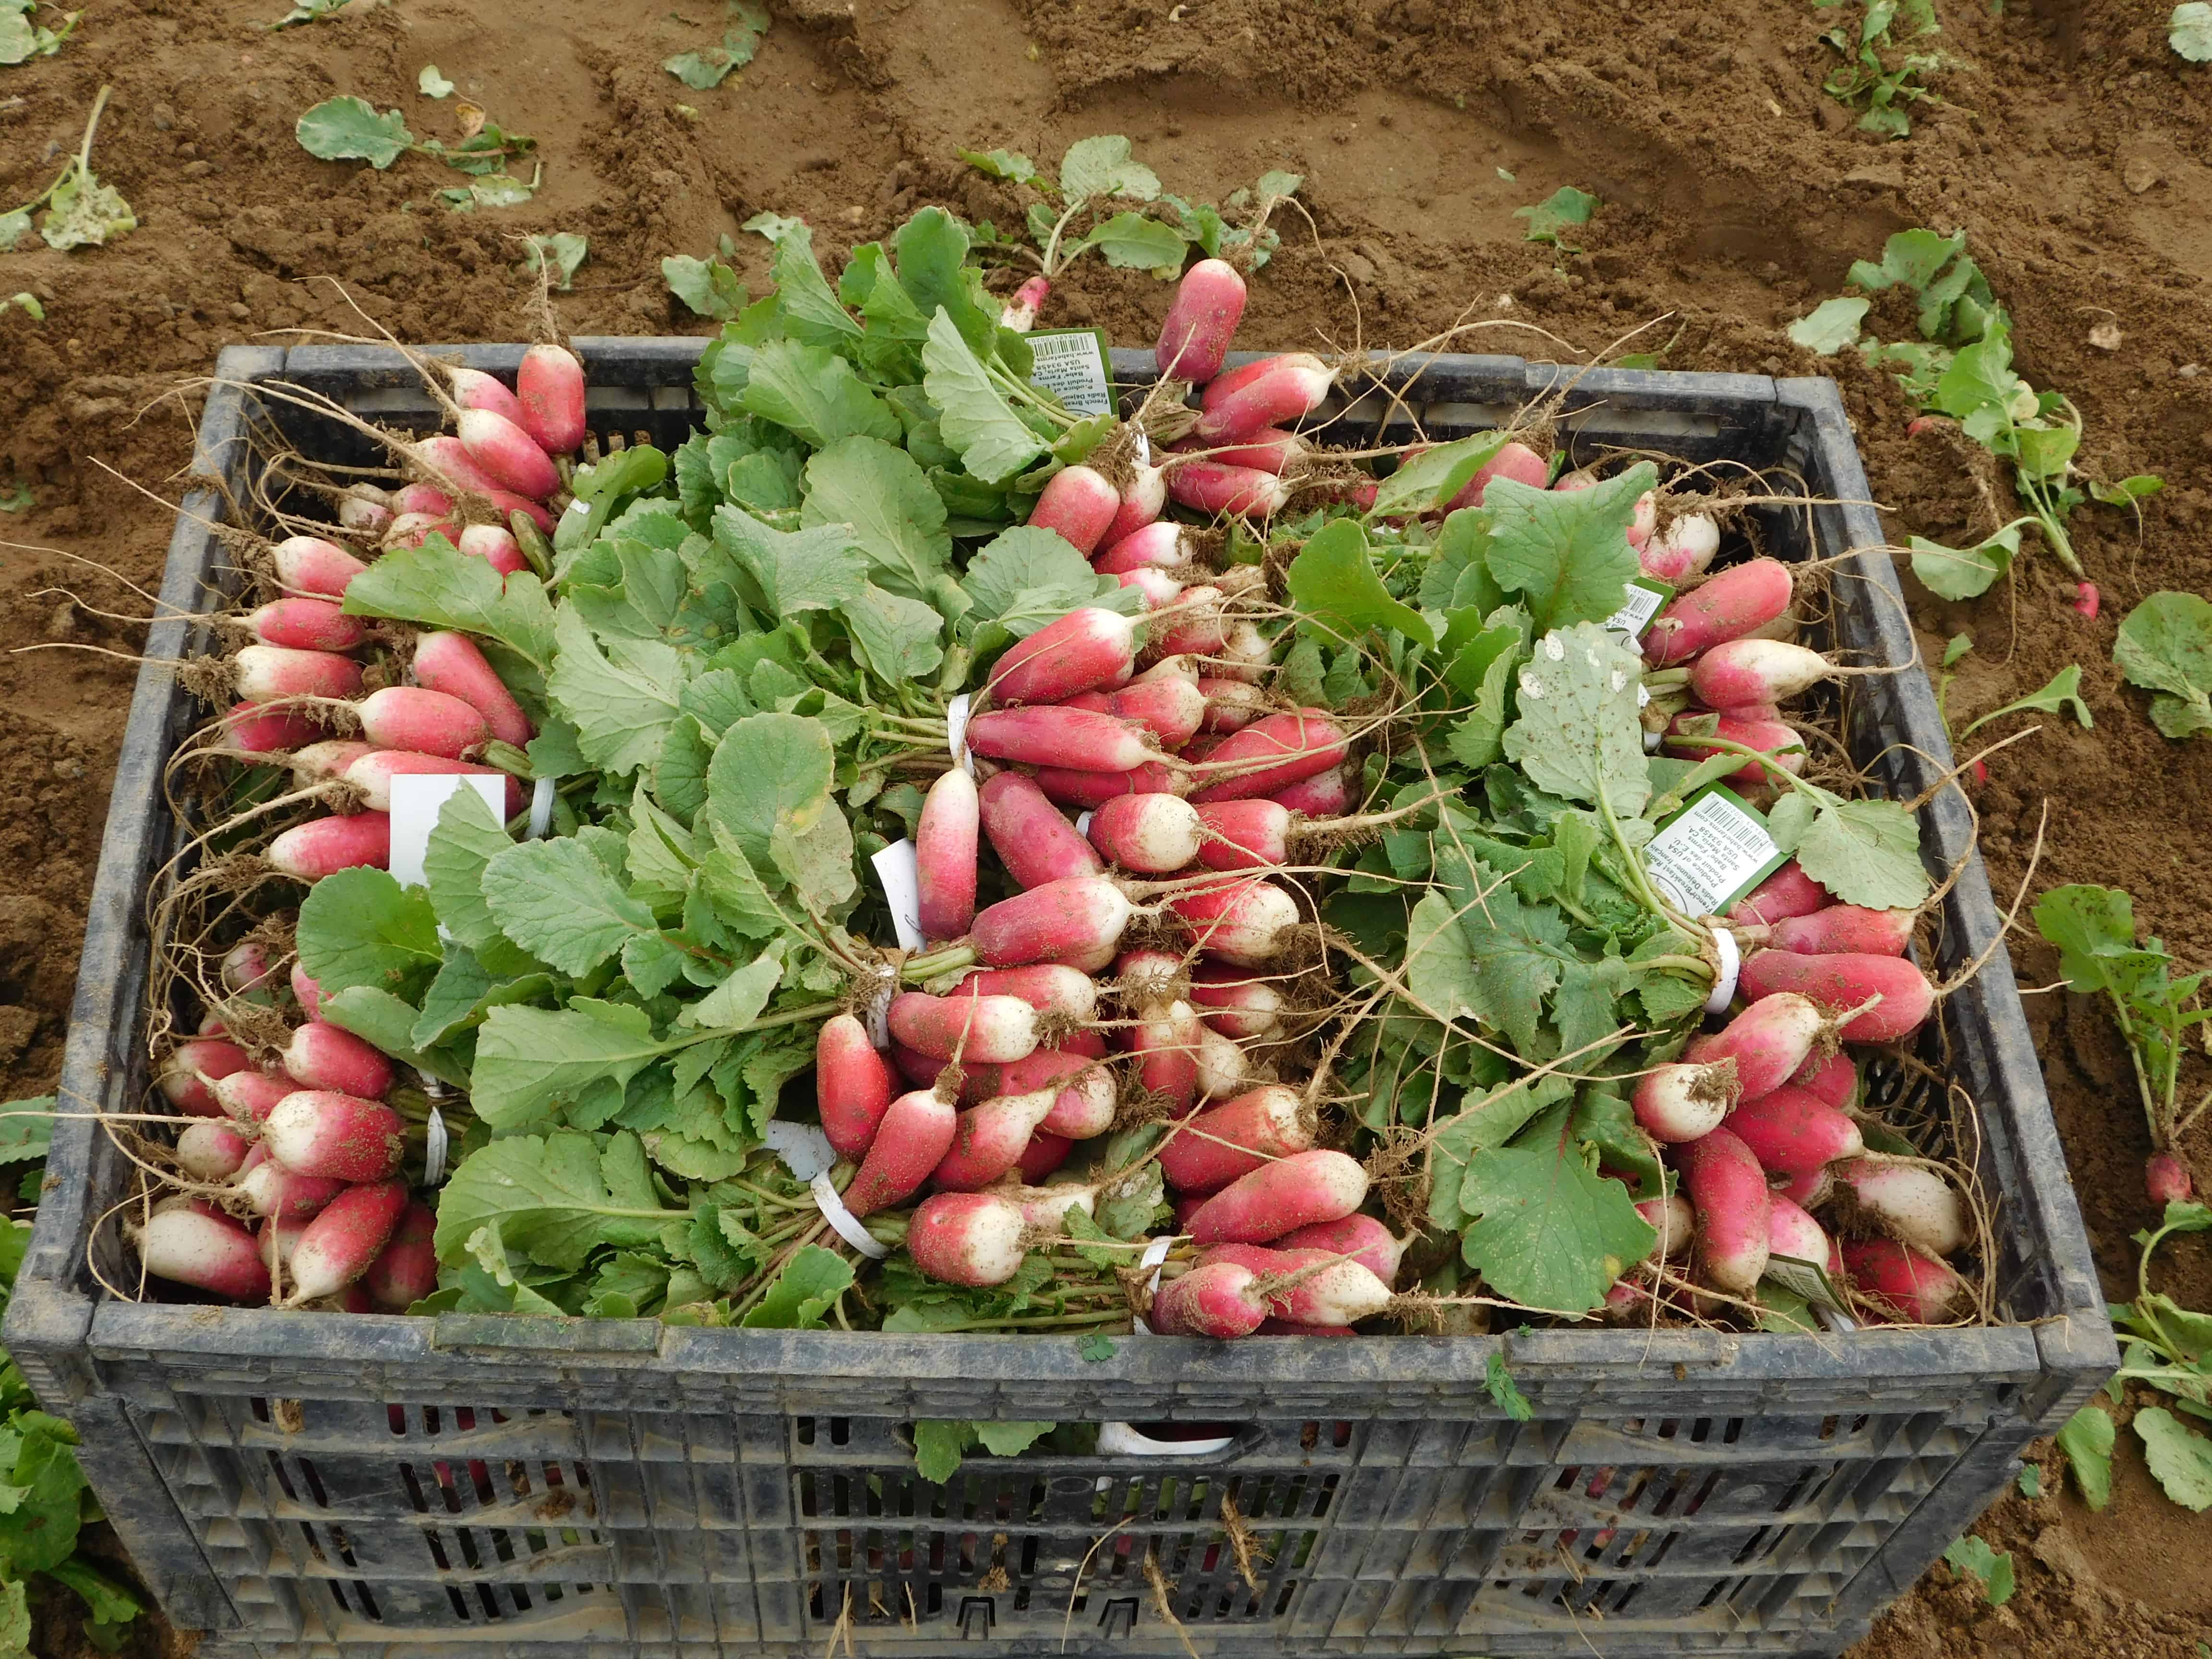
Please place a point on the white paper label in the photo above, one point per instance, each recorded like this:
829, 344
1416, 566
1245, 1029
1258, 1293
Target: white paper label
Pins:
900, 874
416, 799
1642, 601
1710, 853
1071, 364
956, 732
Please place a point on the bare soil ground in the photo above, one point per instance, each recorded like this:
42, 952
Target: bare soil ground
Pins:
2071, 144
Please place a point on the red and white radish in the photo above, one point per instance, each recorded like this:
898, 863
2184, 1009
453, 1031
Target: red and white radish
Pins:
991, 1029
338, 1137
1165, 1042
268, 673
406, 1269
1265, 393
1791, 1232
1788, 892
916, 1133
324, 1056
323, 846
1216, 488
1215, 1299
1907, 1202
1841, 982
1793, 1132
1152, 834
1237, 1003
852, 1084
990, 1137
945, 844
1075, 738
1845, 929
339, 1245
372, 774
1516, 461
187, 1076
1059, 921
1768, 1040
550, 385
307, 624
1194, 335
191, 1244
1087, 648
1362, 1237
1923, 1289
1273, 1199
1272, 752
311, 565
1740, 599
1242, 922
1079, 504
453, 663
967, 1238
1680, 1102
209, 1151
1031, 837
1728, 1190
1226, 1142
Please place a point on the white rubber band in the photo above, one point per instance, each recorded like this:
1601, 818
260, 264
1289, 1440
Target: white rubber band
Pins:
1144, 447
1083, 823
847, 1224
956, 732
1123, 1439
1651, 740
876, 1016
434, 1149
1724, 947
540, 808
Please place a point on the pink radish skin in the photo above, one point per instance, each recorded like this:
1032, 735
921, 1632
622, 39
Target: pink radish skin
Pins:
1162, 545
1768, 1040
265, 673
323, 846
187, 1077
1684, 549
1796, 1133
1074, 738
991, 1031
1265, 393
1235, 1004
247, 966
1213, 1300
1779, 743
1907, 1202
1290, 1193
324, 1056
967, 1238
1152, 834
1226, 1142
472, 388
1171, 708
1244, 835
1728, 1190
852, 1084
1056, 922
277, 1194
306, 991
1836, 982
990, 1137
1197, 628
204, 1250
1230, 705
1845, 929
914, 1135
411, 530
319, 763
1362, 1237
1215, 487
338, 1246
338, 1137
1791, 1232
1032, 839
1324, 795
248, 1097
1020, 313
1319, 1290
1741, 671
424, 499
1678, 1103
260, 731
1086, 790
1083, 1105
426, 722
442, 452
945, 843
1142, 502
1299, 744
406, 1269
494, 544
550, 385
1516, 461
507, 454
1673, 1220
1788, 892
307, 624
1165, 1042
208, 1151
1194, 335
2166, 1178
1159, 589
1834, 1080
373, 774
1730, 606
1046, 986
1270, 449
1085, 649
1079, 504
1924, 1290
1240, 922
454, 664
1045, 1153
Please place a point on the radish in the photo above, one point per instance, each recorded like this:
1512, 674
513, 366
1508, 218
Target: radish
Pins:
1788, 892
306, 991
1235, 1004
1165, 1042
922, 1071
323, 846
494, 544
1779, 743
1728, 1189
990, 1137
1794, 1132
276, 1192
209, 1151
1309, 1287
1244, 835
324, 1056
1685, 1101
1046, 1153
1270, 449
1088, 647
1245, 656
1272, 752
278, 1240
967, 1238
1262, 394
509, 456
248, 1097
1049, 988
1834, 1079
205, 1248
916, 1131
1740, 599
944, 856
339, 1245
2087, 601
1075, 738
411, 530
406, 1269
453, 663
339, 1137
373, 774
1686, 548
1226, 1142
1197, 630
1170, 707
187, 1077
1741, 671
1056, 922
1080, 504
1791, 1232
324, 762
1845, 929
1153, 833
852, 1084
266, 673
306, 624
1673, 1220
1144, 498
1158, 589
1032, 839
1290, 1193
1516, 461
1324, 795
426, 499
1362, 1238
550, 386
1212, 487
2165, 1177
247, 966
444, 455
1067, 787
1239, 921
988, 1029
1083, 1103
1162, 545
1215, 1299
1907, 1202
1839, 983
1194, 335
1230, 705
1924, 1290
471, 388
1768, 1040
1149, 976
1224, 1067
259, 730
425, 722
364, 508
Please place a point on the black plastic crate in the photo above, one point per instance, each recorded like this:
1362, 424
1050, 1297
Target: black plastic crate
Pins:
353, 1486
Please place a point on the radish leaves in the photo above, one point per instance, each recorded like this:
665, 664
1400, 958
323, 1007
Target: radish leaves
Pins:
2165, 646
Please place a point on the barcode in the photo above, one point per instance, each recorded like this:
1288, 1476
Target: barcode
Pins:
1740, 832
1062, 345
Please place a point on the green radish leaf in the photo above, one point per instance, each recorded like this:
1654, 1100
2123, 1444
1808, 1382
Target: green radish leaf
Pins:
14, 225
348, 129
2064, 692
2189, 30
438, 585
530, 1060
2165, 646
2087, 1440
895, 638
360, 928
1102, 166
1964, 573
1829, 326
556, 1199
1563, 207
814, 394
1475, 950
82, 212
431, 84
2030, 1482
893, 514
1578, 734
558, 902
1865, 852
1333, 584
2180, 1459
796, 571
1505, 1393
770, 771
1012, 1439
621, 700
385, 1021
738, 999
1130, 241
939, 1446
1028, 576
1973, 1557
1547, 1224
1006, 164
1567, 554
465, 840
709, 287
810, 1283
2094, 931
813, 313
993, 442
1477, 740
1426, 481
560, 251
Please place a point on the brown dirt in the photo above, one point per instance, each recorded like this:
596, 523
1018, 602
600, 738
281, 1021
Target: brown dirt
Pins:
1735, 196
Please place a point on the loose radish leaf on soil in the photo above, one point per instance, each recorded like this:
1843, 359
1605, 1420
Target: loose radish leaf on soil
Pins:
2165, 646
702, 72
1873, 78
2180, 1459
1010, 165
1965, 572
1830, 325
562, 251
1103, 166
2029, 1481
710, 287
2087, 1440
307, 11
2189, 30
1973, 1557
2063, 693
1563, 207
14, 225
431, 84
348, 129
22, 39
